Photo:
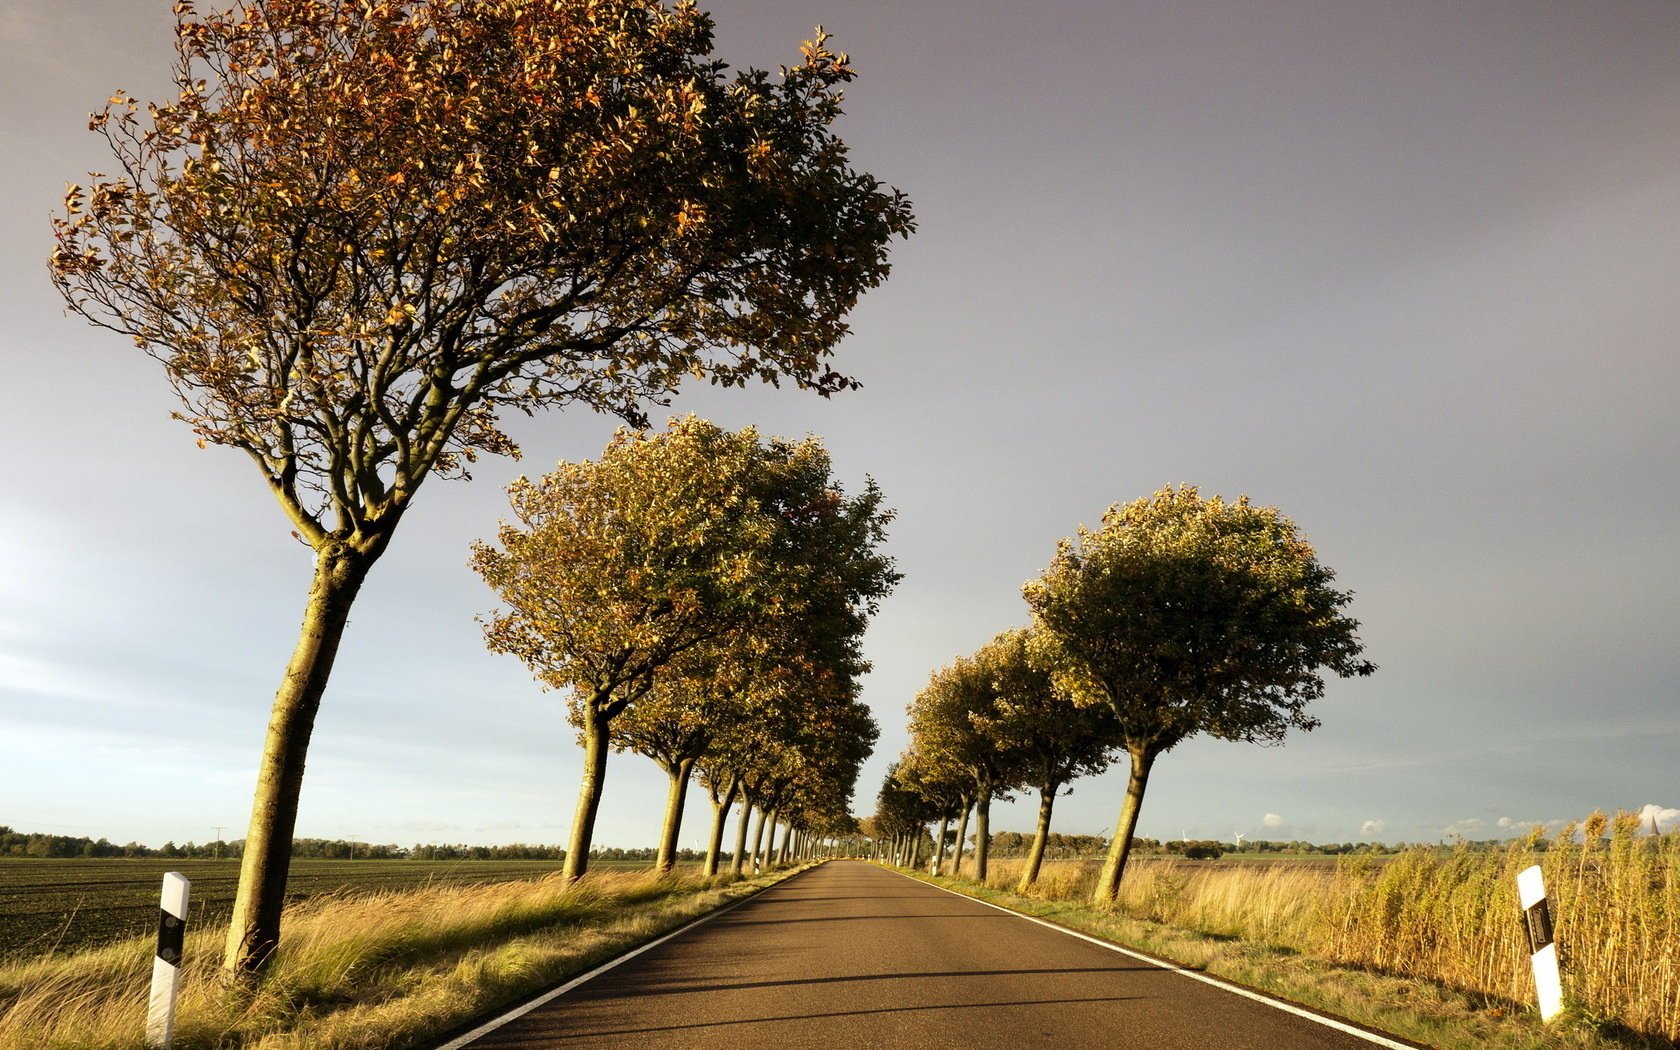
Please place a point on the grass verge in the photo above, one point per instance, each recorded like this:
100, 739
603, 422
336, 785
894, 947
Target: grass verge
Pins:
360, 971
1422, 1011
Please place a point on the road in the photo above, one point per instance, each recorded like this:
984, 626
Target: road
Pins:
852, 955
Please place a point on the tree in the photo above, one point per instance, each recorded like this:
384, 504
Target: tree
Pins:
362, 230
669, 542
1189, 616
804, 647
901, 816
1054, 740
692, 701
949, 723
947, 791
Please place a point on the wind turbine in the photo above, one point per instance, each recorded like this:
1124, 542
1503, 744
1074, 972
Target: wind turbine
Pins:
1238, 834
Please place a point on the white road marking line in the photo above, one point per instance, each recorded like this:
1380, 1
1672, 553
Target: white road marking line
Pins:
1328, 1022
554, 993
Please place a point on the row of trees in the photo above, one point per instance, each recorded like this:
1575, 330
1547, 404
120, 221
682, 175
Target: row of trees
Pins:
700, 595
1179, 616
357, 232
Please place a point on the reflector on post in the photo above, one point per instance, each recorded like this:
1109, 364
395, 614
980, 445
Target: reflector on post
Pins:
166, 965
1537, 923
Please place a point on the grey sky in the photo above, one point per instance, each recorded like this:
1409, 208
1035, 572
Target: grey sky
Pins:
1406, 270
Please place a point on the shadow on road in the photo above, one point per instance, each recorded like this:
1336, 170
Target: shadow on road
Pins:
600, 1033
680, 986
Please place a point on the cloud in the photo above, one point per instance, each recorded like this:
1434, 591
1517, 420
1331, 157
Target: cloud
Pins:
1272, 820
1666, 819
1467, 827
1371, 827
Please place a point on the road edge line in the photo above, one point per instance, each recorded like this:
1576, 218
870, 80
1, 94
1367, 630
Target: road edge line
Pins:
543, 999
1237, 989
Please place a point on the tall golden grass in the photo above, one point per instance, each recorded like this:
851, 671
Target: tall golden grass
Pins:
1449, 916
358, 970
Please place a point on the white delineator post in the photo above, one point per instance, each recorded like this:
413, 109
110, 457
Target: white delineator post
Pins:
166, 966
1537, 923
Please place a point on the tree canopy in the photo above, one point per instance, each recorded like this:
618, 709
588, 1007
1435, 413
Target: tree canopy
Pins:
363, 229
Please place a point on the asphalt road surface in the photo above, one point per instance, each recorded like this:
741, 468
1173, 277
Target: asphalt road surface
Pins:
851, 955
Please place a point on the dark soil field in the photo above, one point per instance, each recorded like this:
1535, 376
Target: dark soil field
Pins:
65, 905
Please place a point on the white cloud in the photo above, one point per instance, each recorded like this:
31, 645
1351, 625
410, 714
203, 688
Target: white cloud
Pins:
1272, 820
1468, 827
1372, 827
1666, 819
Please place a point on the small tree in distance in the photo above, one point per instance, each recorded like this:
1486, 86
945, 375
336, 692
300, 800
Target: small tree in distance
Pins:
360, 230
1190, 616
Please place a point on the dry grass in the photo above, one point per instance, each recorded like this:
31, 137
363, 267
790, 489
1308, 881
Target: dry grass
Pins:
1449, 917
359, 970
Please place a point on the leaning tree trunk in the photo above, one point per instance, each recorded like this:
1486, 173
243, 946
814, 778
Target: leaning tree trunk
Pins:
939, 847
982, 833
720, 813
589, 795
758, 840
737, 863
962, 841
778, 851
1035, 856
1108, 883
674, 801
254, 929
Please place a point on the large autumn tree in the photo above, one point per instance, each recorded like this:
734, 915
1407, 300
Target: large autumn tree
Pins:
361, 230
672, 545
1189, 616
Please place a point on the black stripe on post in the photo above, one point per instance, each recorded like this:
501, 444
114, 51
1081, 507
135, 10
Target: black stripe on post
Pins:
1537, 923
172, 934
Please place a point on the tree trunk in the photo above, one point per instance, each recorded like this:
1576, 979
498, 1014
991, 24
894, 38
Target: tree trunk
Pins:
254, 929
982, 833
720, 813
679, 774
1035, 856
939, 847
962, 842
758, 840
589, 796
737, 863
1108, 883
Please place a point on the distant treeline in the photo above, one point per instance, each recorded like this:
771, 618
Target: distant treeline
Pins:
1056, 846
1067, 847
20, 844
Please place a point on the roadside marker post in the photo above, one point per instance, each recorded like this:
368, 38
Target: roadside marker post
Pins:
1537, 923
166, 965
